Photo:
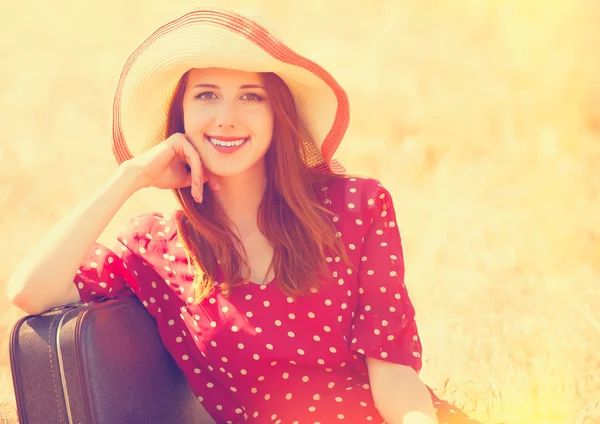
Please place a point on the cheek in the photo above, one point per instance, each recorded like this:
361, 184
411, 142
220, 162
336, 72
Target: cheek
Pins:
193, 121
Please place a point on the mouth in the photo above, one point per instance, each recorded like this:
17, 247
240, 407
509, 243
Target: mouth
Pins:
226, 142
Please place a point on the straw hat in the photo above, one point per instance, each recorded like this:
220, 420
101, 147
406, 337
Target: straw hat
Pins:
224, 39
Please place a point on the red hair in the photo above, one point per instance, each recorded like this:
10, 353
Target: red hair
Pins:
289, 215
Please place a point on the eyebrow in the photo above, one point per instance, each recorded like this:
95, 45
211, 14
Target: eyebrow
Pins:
243, 87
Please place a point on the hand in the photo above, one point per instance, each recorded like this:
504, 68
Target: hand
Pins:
172, 164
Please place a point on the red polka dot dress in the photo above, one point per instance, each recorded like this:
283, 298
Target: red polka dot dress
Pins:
260, 356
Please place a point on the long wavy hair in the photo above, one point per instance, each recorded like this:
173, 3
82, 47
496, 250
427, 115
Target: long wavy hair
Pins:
295, 224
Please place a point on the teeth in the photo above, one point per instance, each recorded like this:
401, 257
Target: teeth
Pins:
227, 143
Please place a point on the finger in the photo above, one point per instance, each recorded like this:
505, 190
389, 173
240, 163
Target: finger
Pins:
211, 179
193, 160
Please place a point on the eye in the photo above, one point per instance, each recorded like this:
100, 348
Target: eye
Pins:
206, 95
253, 97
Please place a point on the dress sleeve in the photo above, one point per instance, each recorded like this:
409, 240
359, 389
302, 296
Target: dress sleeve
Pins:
384, 324
111, 272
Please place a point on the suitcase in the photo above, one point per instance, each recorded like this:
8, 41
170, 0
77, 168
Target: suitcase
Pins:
98, 363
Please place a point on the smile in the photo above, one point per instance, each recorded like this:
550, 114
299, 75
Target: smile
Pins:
226, 143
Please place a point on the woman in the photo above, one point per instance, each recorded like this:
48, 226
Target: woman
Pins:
278, 286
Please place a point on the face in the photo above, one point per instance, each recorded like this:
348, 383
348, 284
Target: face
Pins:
228, 118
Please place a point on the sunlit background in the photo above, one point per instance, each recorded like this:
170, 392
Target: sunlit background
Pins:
481, 117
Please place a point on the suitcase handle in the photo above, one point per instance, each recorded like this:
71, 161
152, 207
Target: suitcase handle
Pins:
71, 306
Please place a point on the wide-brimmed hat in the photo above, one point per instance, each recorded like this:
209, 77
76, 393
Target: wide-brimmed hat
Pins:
223, 39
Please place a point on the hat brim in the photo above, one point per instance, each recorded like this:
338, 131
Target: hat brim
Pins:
151, 74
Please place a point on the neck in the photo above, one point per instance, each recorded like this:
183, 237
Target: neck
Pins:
240, 196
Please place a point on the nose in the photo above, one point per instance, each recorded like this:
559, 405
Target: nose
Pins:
225, 117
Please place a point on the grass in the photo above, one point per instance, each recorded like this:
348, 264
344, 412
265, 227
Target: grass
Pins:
482, 118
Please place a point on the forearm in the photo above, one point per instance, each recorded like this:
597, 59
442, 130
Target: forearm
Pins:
399, 394
45, 275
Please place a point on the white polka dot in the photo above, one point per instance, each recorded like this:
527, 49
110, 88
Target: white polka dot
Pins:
301, 352
393, 274
278, 323
234, 328
332, 349
292, 316
327, 329
328, 302
213, 324
185, 357
311, 315
171, 322
249, 314
266, 303
285, 375
288, 396
317, 338
269, 346
312, 408
305, 379
340, 416
370, 272
256, 357
317, 397
351, 205
258, 330
179, 339
371, 202
210, 385
248, 297
225, 308
384, 355
291, 334
267, 396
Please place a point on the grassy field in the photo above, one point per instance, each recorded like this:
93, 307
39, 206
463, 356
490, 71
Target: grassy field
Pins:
481, 117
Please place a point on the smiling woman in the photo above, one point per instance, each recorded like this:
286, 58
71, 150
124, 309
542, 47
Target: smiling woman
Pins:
278, 286
231, 108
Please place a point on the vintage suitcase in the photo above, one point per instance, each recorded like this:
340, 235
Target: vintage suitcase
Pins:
98, 363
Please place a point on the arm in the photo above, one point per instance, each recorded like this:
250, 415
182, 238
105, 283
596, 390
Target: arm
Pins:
399, 394
44, 279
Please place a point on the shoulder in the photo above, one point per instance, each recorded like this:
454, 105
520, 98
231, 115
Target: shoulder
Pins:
355, 194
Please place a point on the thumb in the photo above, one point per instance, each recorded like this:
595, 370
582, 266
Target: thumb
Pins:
212, 180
